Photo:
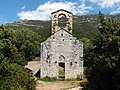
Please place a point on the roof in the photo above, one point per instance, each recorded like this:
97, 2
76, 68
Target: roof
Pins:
64, 30
56, 33
34, 66
61, 10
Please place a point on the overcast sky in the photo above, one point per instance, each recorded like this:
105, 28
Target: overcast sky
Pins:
13, 10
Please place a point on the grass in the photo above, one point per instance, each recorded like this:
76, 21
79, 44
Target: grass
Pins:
52, 79
62, 73
49, 79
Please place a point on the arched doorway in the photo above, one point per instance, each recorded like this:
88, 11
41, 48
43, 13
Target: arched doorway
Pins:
61, 70
62, 67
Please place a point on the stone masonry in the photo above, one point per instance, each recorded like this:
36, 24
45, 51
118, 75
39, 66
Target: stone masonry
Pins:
61, 47
55, 16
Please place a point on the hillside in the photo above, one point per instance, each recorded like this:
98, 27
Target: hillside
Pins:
83, 26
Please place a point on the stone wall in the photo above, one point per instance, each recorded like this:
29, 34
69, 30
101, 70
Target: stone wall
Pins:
61, 47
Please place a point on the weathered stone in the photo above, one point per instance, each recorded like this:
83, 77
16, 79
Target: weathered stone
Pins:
61, 47
55, 16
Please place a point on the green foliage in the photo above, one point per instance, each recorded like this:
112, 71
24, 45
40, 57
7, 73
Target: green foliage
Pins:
103, 72
19, 58
87, 46
49, 79
43, 28
7, 42
14, 77
83, 26
8, 46
61, 72
79, 77
101, 54
28, 42
52, 79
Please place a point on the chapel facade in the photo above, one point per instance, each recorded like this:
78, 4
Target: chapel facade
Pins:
61, 54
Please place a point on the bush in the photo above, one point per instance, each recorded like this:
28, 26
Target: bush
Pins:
14, 76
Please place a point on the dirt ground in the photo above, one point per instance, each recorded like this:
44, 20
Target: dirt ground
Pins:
58, 85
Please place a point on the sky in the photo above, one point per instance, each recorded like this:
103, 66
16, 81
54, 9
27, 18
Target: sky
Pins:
14, 10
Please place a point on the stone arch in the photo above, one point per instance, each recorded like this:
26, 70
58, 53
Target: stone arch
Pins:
61, 58
62, 20
55, 16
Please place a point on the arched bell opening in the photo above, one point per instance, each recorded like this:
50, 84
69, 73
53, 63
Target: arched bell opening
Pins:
62, 21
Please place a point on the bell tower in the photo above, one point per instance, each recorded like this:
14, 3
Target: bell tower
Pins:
68, 20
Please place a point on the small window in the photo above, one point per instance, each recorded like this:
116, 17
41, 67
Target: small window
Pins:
53, 37
75, 62
55, 62
63, 39
61, 34
70, 63
75, 42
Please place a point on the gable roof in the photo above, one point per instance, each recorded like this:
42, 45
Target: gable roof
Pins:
64, 30
56, 33
61, 10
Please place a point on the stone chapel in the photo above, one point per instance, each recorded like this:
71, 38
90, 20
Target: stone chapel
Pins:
61, 54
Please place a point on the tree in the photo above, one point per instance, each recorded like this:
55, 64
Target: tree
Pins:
28, 42
87, 46
8, 46
14, 76
7, 42
19, 58
103, 73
